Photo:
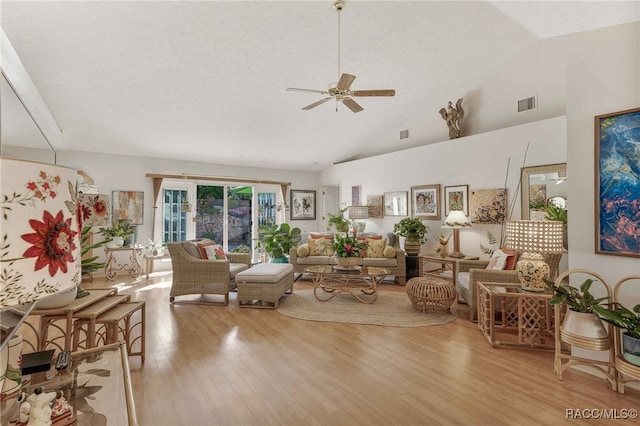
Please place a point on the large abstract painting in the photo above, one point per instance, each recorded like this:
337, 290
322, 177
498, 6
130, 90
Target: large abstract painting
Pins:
617, 186
128, 205
488, 205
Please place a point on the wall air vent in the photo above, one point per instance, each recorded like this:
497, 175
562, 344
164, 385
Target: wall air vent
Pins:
528, 104
404, 134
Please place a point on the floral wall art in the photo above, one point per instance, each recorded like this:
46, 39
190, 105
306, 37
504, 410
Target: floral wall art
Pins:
95, 209
488, 205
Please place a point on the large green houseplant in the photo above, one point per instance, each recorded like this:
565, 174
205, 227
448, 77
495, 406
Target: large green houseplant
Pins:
338, 221
117, 233
414, 233
277, 240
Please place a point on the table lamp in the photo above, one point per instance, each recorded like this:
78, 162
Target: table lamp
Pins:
456, 220
533, 239
357, 213
40, 236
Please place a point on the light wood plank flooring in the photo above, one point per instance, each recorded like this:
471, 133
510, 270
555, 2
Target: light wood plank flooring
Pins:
214, 365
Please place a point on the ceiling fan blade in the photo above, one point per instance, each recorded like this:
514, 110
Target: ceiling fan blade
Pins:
295, 89
385, 92
345, 81
352, 105
315, 104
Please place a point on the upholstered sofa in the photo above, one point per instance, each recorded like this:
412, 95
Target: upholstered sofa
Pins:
309, 253
198, 268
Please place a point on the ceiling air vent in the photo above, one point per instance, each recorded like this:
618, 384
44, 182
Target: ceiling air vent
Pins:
528, 104
404, 134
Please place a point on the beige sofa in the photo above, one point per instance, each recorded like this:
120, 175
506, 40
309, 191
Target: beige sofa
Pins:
395, 265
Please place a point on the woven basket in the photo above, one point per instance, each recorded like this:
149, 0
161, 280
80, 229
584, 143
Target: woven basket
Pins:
347, 262
431, 294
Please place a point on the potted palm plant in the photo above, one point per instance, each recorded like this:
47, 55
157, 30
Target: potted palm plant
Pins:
629, 321
277, 240
338, 221
414, 233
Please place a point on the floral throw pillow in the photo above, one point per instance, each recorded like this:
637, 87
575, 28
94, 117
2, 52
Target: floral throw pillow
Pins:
215, 251
375, 248
319, 247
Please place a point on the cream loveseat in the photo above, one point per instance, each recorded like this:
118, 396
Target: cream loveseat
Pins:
316, 250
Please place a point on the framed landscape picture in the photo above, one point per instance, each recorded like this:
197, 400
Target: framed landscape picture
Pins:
617, 185
456, 198
395, 203
128, 205
303, 205
425, 201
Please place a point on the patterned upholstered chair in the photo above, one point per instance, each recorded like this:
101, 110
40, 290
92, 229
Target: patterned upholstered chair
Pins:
194, 275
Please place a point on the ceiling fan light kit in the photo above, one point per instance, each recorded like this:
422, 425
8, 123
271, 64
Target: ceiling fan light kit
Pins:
341, 91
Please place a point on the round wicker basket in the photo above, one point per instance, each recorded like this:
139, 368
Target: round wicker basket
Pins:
348, 262
430, 294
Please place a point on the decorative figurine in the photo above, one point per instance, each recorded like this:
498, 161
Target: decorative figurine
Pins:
453, 117
60, 406
24, 407
40, 410
444, 245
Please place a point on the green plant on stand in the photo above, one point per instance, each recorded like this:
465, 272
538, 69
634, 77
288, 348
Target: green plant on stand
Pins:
338, 221
88, 264
117, 233
629, 321
277, 240
414, 233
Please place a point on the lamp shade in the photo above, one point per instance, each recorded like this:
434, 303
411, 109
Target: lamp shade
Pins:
535, 236
39, 231
358, 212
456, 219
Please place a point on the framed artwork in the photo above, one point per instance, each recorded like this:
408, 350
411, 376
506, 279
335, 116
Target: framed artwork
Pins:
425, 201
488, 205
95, 209
128, 205
356, 192
303, 205
395, 203
617, 183
456, 198
537, 196
374, 202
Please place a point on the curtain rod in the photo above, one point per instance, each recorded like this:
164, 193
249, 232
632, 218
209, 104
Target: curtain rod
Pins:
217, 178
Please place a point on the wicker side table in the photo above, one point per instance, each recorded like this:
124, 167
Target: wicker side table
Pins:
430, 294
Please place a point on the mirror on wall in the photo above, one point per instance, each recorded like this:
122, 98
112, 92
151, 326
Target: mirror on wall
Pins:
18, 130
543, 188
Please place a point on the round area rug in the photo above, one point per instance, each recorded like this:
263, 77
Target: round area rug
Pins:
392, 309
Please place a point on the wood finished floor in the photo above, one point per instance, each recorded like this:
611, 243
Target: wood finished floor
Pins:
214, 365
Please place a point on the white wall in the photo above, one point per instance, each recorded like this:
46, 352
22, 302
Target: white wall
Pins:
479, 161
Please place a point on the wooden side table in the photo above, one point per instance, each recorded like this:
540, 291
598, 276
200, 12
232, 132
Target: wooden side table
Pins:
447, 268
526, 318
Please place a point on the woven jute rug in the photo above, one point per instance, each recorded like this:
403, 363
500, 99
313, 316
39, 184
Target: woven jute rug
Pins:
393, 309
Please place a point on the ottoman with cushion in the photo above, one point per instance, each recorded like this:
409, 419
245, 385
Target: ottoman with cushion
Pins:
266, 282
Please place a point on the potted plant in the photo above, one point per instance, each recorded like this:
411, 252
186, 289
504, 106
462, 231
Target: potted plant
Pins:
117, 233
559, 214
581, 318
414, 233
629, 321
156, 248
347, 250
338, 221
277, 240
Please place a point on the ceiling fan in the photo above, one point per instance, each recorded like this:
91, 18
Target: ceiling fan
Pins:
341, 91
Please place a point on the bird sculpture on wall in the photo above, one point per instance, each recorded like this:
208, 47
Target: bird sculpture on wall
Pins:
453, 117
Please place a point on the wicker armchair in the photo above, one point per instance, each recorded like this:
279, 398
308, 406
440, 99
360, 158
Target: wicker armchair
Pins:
192, 275
472, 271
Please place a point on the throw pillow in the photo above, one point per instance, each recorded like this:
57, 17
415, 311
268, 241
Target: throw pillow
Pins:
375, 248
303, 250
316, 236
215, 251
498, 261
320, 247
389, 252
202, 247
511, 260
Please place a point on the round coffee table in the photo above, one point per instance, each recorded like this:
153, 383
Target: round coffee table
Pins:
431, 294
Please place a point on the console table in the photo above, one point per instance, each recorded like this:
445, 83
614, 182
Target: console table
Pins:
112, 265
96, 384
447, 266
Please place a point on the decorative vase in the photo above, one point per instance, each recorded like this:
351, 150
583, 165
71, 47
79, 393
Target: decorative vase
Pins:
584, 324
532, 271
631, 349
13, 373
412, 245
347, 262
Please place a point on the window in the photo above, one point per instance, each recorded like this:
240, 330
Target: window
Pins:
174, 219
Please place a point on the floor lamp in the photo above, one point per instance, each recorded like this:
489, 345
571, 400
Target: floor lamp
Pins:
456, 220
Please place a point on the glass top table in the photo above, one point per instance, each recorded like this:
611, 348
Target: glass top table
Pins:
361, 282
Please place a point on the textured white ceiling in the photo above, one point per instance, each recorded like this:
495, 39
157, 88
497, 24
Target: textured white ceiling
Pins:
206, 80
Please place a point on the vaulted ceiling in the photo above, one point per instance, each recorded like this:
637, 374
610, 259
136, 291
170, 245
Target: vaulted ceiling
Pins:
206, 80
